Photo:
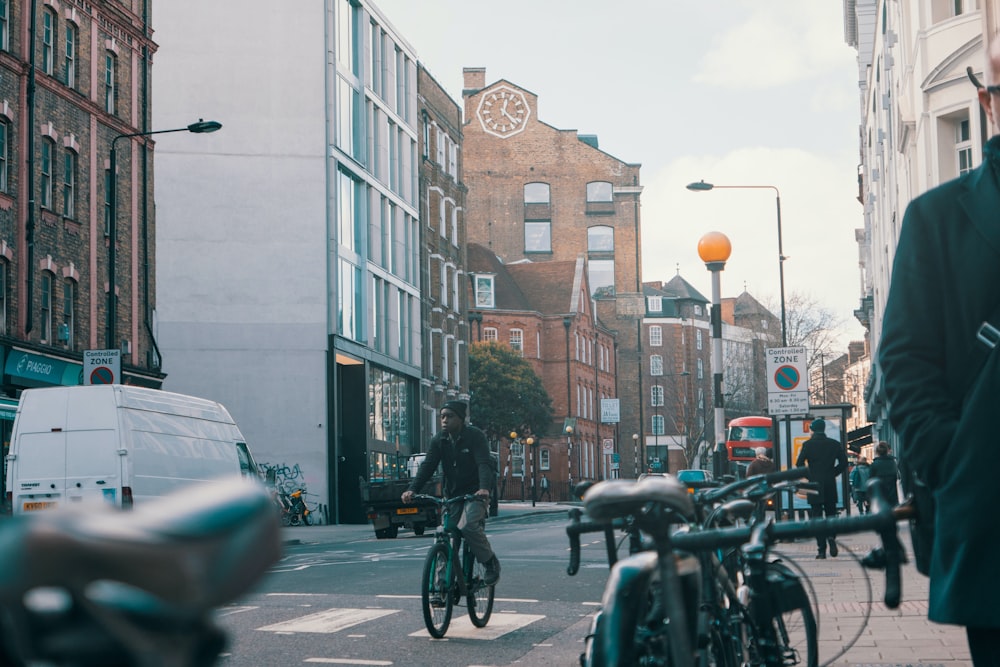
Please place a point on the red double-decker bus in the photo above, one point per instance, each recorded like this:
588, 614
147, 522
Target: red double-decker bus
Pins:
745, 434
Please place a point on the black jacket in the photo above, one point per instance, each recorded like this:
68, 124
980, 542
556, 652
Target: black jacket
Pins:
825, 458
466, 463
884, 468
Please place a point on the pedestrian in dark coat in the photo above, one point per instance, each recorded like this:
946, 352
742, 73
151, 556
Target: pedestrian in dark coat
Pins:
944, 286
885, 470
825, 459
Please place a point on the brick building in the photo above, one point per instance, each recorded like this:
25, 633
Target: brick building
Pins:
543, 194
444, 287
68, 92
546, 312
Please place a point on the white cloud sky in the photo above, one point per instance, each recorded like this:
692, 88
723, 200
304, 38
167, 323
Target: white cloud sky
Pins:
737, 92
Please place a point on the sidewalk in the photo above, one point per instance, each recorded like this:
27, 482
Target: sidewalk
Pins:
891, 638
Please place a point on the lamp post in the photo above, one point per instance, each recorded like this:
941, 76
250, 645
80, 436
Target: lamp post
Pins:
635, 453
714, 249
569, 456
201, 127
702, 186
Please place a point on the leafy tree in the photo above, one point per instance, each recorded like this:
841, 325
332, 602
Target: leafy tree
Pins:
507, 394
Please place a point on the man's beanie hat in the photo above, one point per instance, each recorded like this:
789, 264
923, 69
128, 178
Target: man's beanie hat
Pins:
817, 426
458, 407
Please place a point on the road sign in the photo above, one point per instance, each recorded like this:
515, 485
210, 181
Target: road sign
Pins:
102, 366
609, 446
787, 381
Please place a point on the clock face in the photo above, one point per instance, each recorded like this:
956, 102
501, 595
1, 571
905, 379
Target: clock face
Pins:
503, 111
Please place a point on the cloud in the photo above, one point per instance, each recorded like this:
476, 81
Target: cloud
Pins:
779, 43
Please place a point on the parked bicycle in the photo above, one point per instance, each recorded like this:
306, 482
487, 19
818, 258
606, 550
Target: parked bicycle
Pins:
654, 605
89, 586
447, 578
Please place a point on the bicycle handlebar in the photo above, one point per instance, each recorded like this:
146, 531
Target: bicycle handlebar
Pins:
710, 496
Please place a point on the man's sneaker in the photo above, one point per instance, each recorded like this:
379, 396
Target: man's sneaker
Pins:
833, 548
492, 574
436, 600
821, 555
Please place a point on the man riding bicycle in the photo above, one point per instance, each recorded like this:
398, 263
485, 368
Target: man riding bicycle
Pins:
464, 456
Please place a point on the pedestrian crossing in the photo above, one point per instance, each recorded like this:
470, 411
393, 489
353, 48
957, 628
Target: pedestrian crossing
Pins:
330, 621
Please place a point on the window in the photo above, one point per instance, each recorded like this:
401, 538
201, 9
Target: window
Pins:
657, 424
538, 237
69, 184
490, 334
484, 291
68, 330
701, 369
600, 239
536, 193
46, 309
544, 459
602, 277
654, 304
656, 396
4, 153
517, 340
4, 25
656, 336
697, 338
110, 89
599, 191
45, 186
963, 146
3, 297
70, 64
48, 40
655, 364
697, 309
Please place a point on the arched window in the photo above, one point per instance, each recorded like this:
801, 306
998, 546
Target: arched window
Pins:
72, 38
48, 41
67, 330
536, 193
601, 239
46, 307
45, 185
69, 183
110, 83
599, 191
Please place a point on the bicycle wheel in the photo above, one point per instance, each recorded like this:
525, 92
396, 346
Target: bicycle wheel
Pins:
480, 596
435, 592
792, 630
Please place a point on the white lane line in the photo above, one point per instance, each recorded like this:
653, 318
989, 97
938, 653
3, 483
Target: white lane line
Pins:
500, 624
348, 661
329, 621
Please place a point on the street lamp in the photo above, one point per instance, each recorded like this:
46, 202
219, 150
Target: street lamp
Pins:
569, 455
702, 186
714, 249
635, 453
201, 127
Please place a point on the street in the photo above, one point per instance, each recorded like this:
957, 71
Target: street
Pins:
340, 596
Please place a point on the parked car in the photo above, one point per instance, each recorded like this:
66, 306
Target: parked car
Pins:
695, 478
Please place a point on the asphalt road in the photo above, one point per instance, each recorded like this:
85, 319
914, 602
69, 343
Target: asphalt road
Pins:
340, 596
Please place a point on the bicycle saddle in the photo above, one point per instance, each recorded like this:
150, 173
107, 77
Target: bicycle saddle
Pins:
616, 498
193, 550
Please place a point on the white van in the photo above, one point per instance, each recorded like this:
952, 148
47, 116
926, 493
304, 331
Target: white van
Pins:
118, 444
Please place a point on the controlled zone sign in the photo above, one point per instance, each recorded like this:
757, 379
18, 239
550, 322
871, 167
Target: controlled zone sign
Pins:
787, 381
102, 366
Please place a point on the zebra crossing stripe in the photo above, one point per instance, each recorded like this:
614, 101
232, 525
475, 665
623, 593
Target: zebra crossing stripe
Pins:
329, 621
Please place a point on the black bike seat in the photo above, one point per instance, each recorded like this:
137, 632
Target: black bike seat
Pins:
193, 550
616, 498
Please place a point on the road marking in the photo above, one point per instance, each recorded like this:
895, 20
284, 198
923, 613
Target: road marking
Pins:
348, 661
226, 611
329, 621
500, 624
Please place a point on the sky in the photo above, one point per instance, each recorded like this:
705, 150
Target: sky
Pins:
732, 92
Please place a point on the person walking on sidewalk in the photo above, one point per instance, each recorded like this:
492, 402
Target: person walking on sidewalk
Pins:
761, 464
884, 469
825, 459
859, 480
545, 488
464, 455
941, 377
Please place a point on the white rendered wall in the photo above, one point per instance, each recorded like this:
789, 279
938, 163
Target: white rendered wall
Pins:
241, 222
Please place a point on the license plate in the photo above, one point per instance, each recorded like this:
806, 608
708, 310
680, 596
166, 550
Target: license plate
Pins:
32, 507
407, 510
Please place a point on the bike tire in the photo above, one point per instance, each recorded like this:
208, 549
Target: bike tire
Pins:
480, 596
437, 617
794, 626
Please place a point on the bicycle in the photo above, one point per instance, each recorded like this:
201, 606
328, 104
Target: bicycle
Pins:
92, 585
442, 585
650, 608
